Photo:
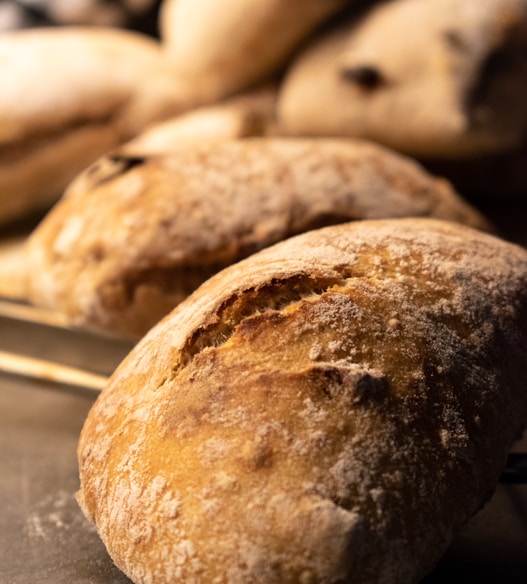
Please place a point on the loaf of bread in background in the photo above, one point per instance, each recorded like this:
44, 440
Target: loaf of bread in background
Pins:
249, 114
133, 236
69, 95
221, 48
134, 14
331, 409
440, 78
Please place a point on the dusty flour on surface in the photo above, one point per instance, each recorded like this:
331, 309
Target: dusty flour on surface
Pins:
55, 512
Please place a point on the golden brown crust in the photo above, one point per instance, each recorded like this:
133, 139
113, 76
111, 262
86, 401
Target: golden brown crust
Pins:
333, 408
133, 236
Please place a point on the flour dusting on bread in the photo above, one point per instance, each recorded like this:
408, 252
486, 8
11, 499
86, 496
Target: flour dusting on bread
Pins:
132, 238
335, 407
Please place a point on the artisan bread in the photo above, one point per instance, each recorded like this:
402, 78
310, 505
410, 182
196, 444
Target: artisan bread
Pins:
134, 236
246, 115
221, 48
70, 95
331, 409
440, 78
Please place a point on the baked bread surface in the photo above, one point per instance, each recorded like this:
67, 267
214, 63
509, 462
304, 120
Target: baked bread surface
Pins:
134, 236
69, 96
249, 114
220, 49
451, 87
331, 409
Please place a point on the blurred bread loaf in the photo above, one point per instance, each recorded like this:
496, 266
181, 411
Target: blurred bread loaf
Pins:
117, 13
440, 78
331, 409
133, 236
221, 48
70, 95
249, 114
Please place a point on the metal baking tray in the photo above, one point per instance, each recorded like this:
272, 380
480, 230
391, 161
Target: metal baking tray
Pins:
43, 536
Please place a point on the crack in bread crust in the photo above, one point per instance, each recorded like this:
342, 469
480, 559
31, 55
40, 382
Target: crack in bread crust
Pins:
111, 167
273, 297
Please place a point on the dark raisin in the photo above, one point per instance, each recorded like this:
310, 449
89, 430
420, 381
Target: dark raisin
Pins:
367, 76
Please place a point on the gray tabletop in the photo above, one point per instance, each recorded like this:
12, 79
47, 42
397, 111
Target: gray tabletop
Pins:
43, 536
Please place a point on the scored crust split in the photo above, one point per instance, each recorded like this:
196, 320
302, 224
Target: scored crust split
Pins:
70, 95
440, 78
134, 236
331, 409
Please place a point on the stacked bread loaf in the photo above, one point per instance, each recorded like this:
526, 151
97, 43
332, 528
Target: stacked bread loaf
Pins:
341, 68
73, 94
331, 339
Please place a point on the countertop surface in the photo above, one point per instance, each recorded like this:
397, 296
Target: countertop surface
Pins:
43, 536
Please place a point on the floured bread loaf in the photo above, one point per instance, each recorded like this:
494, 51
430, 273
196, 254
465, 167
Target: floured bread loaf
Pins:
249, 114
134, 236
440, 78
221, 48
331, 409
70, 95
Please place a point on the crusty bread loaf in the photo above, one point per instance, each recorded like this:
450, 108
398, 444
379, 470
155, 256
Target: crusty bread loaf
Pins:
440, 78
69, 96
133, 236
331, 409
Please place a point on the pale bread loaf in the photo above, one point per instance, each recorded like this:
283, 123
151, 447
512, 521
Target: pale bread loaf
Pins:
332, 409
134, 236
70, 95
440, 78
221, 48
243, 116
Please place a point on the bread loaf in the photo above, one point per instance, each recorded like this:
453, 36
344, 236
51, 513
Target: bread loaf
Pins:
134, 236
219, 49
440, 78
331, 409
70, 95
243, 116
